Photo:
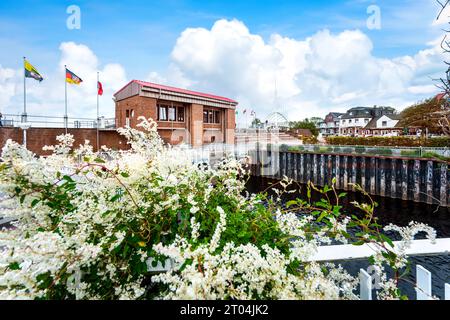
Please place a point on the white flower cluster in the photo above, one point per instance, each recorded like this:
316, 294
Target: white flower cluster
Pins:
246, 272
86, 225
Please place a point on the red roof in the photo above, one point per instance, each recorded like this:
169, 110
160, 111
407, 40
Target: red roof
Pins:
179, 90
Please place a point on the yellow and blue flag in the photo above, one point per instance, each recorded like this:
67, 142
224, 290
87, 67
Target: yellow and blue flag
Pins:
31, 72
72, 77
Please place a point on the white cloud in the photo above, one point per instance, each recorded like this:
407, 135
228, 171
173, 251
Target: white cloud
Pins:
9, 80
47, 97
312, 76
427, 89
322, 73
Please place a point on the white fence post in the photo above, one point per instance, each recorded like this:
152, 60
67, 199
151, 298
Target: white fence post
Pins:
447, 291
365, 285
423, 281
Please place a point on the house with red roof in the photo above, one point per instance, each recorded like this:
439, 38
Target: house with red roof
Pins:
183, 116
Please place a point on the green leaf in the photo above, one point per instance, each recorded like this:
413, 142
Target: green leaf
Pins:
68, 179
44, 280
124, 174
291, 203
115, 198
387, 239
34, 202
323, 215
14, 266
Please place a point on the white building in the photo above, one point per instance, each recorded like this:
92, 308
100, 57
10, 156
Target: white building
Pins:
362, 121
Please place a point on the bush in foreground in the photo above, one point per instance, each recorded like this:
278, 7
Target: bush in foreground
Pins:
87, 227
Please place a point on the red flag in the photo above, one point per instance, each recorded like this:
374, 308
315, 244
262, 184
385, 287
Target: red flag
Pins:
440, 96
100, 88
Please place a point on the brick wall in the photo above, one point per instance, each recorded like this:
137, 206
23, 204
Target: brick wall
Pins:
40, 137
230, 125
140, 105
196, 133
196, 125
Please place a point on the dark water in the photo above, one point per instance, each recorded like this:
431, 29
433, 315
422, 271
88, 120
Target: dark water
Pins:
400, 213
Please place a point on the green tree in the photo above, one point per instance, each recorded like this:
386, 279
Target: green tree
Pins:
256, 123
305, 124
424, 114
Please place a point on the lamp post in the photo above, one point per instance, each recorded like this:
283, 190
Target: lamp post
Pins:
25, 126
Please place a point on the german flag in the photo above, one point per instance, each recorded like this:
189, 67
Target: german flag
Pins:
31, 72
72, 77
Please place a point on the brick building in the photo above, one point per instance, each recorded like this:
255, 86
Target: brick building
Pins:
182, 115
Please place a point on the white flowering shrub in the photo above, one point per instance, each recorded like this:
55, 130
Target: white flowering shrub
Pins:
88, 225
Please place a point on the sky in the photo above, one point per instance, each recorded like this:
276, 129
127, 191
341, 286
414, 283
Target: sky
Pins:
301, 58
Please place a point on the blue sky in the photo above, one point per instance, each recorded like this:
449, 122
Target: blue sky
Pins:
141, 36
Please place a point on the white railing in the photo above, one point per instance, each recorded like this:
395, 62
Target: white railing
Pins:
417, 248
372, 150
36, 121
423, 285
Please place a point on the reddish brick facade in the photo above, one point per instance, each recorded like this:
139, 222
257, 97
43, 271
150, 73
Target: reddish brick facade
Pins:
37, 138
139, 98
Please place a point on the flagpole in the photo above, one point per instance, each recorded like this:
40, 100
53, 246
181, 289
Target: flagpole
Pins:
24, 115
98, 114
65, 93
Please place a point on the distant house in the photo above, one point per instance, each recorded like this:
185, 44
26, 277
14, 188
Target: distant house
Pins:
363, 121
385, 125
330, 125
306, 133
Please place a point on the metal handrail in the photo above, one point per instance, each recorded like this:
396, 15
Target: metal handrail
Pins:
14, 120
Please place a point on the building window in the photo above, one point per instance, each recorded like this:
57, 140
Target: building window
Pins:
181, 114
349, 121
211, 116
216, 116
356, 120
172, 113
162, 113
384, 123
366, 120
127, 118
